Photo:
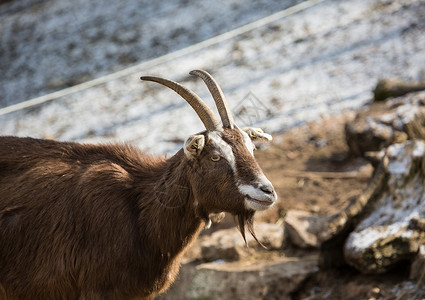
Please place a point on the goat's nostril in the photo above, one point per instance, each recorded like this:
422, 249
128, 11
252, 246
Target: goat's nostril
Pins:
267, 189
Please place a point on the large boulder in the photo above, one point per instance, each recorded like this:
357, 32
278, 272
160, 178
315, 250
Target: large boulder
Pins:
386, 123
236, 271
303, 228
229, 245
385, 224
251, 279
393, 228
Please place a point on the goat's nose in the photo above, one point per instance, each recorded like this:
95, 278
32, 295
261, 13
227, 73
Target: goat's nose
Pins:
268, 189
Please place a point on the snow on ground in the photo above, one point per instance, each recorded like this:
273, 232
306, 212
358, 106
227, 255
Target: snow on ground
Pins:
46, 45
320, 61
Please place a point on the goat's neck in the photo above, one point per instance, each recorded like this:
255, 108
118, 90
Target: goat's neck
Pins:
174, 221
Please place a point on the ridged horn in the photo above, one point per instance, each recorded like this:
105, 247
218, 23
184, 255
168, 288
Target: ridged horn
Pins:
218, 96
203, 111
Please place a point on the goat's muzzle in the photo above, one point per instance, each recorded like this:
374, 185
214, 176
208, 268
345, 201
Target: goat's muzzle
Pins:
260, 196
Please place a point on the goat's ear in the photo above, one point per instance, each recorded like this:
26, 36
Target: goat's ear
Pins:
256, 134
194, 145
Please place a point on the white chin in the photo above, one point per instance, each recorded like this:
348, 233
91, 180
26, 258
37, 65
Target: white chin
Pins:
258, 205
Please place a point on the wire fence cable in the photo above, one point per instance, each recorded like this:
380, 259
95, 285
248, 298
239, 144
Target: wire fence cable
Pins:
161, 59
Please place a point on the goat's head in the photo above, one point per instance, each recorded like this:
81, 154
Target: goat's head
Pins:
224, 175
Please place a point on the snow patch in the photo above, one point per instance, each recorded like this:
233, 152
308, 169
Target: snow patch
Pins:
323, 60
404, 201
358, 241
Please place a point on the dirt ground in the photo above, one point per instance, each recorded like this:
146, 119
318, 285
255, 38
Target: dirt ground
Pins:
312, 170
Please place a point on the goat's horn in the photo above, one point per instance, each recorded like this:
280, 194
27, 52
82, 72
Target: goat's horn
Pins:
218, 96
204, 112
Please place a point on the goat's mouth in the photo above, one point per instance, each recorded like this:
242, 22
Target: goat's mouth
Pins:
257, 204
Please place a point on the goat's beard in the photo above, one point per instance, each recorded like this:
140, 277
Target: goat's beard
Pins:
246, 219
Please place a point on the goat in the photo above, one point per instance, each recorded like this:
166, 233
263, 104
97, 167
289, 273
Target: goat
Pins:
84, 221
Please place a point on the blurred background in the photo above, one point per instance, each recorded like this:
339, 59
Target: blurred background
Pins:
51, 45
284, 68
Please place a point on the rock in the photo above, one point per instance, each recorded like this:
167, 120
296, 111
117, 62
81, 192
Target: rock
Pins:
339, 226
229, 245
365, 134
387, 88
251, 279
392, 230
303, 228
178, 289
383, 124
417, 269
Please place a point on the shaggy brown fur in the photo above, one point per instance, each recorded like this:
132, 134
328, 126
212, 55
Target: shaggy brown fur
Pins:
104, 221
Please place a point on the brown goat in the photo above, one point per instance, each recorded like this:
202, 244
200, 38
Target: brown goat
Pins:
108, 222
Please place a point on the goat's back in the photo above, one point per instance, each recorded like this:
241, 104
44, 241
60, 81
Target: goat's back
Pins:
68, 219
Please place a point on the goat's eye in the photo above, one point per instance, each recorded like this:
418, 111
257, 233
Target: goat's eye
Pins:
215, 157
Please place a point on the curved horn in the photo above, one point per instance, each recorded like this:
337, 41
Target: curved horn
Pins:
204, 112
218, 96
